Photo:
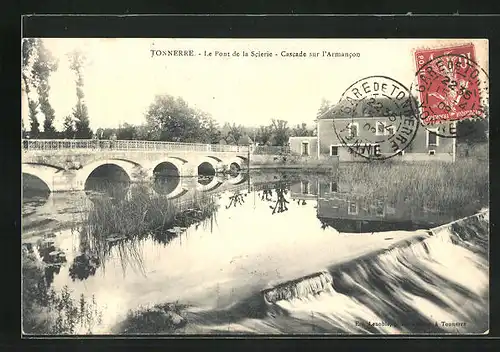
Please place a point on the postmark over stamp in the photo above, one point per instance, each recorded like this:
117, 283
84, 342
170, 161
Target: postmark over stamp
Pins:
375, 118
451, 87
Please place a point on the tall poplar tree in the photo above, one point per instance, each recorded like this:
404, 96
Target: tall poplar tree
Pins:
80, 111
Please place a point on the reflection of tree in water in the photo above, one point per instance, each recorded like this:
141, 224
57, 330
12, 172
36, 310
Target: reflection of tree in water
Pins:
87, 262
267, 195
281, 202
236, 199
53, 257
324, 225
46, 311
84, 266
301, 201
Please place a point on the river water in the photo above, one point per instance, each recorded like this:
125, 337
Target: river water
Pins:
281, 255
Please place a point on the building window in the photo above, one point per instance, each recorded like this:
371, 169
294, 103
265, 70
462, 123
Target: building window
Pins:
305, 187
333, 187
380, 128
334, 150
305, 148
432, 139
352, 208
432, 152
353, 129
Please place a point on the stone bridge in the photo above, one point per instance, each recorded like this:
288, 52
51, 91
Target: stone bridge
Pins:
66, 165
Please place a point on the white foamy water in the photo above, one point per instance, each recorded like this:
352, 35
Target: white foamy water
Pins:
435, 285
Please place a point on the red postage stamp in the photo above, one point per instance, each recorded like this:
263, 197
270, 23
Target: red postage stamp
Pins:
450, 85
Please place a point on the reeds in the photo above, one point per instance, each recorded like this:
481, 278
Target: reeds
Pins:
458, 186
121, 225
140, 213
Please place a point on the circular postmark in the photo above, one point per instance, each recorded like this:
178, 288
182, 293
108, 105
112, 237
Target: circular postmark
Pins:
375, 118
452, 94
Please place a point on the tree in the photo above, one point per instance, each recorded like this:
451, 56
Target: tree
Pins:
28, 48
143, 132
34, 124
472, 131
209, 129
126, 132
232, 133
325, 110
302, 131
264, 135
80, 112
43, 66
280, 132
68, 127
171, 119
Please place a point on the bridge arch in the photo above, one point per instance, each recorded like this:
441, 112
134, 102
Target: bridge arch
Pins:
237, 163
43, 172
209, 166
129, 168
169, 167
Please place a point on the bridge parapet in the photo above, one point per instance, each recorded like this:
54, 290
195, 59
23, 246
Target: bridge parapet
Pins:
95, 145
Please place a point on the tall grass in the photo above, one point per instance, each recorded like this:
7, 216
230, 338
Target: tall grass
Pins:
141, 212
121, 225
459, 186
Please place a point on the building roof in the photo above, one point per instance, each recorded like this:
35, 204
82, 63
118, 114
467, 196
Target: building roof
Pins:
362, 108
303, 137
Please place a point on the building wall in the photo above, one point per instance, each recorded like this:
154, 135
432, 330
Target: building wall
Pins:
418, 148
296, 145
305, 189
342, 204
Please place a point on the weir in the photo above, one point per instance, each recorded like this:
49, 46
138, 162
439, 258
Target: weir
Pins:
447, 266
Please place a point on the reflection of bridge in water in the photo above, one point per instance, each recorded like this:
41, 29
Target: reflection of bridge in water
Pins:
184, 189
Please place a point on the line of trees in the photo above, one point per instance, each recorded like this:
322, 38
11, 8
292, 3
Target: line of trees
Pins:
37, 66
170, 118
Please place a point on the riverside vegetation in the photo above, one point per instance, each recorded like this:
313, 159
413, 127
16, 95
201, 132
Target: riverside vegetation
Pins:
108, 224
118, 224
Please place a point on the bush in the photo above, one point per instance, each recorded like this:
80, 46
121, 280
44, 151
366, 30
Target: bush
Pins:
161, 318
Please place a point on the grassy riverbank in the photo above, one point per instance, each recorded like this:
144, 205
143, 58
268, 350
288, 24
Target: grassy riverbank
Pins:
47, 311
106, 224
459, 186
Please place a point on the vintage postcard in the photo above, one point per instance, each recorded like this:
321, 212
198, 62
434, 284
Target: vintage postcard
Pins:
255, 186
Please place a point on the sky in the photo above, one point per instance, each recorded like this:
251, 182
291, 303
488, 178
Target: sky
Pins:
122, 78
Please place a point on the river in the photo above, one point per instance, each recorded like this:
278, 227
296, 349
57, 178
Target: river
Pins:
235, 270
